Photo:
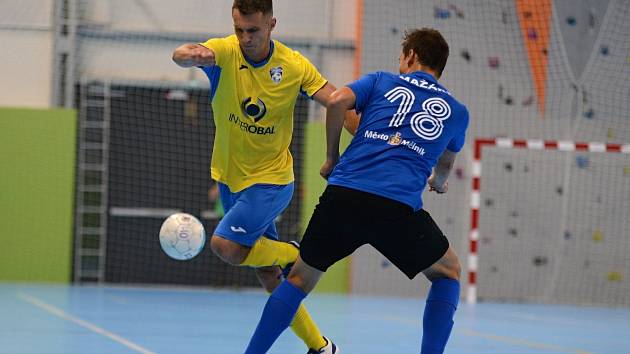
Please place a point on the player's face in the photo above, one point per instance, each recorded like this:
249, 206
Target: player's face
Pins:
254, 33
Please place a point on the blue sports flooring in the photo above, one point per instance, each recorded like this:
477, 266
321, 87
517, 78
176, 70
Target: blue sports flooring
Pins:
47, 319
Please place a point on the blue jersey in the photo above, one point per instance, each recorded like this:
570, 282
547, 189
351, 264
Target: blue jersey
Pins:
407, 121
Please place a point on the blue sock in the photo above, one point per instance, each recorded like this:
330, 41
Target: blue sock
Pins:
276, 317
438, 315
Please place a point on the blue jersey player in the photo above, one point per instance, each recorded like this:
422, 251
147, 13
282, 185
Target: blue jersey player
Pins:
410, 130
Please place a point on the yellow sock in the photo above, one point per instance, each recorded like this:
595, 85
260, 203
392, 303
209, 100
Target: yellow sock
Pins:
305, 328
266, 252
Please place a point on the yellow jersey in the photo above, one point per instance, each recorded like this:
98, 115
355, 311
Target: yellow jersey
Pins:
253, 104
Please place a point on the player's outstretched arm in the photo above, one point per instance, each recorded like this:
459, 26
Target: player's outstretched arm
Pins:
438, 179
192, 54
339, 103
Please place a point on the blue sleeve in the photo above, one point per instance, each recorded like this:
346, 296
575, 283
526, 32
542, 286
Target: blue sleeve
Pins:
362, 89
457, 142
214, 73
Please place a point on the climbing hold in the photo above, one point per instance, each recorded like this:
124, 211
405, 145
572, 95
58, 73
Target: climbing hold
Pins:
614, 276
589, 114
597, 236
493, 62
540, 261
571, 21
532, 34
582, 161
441, 13
465, 54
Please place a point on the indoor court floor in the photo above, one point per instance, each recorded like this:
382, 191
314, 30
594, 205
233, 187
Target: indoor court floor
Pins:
51, 319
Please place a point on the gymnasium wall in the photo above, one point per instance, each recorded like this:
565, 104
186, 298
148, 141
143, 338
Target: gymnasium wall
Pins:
26, 60
132, 41
37, 155
545, 217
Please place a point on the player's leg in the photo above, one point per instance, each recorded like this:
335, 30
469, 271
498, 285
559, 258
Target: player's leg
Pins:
302, 325
248, 214
321, 247
282, 306
420, 246
441, 302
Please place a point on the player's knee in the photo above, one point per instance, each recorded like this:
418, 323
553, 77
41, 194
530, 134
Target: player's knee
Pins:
230, 252
297, 280
447, 267
450, 267
269, 277
455, 269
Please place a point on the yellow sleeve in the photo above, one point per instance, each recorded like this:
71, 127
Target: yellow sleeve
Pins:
220, 47
312, 80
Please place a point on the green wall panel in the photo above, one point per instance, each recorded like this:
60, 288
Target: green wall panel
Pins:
336, 279
37, 157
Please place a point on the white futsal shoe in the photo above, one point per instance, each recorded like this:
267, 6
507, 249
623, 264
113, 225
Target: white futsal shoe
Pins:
329, 348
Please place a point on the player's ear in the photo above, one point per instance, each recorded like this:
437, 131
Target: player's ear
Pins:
412, 58
272, 23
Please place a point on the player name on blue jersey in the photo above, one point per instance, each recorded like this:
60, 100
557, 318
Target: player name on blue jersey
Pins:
423, 84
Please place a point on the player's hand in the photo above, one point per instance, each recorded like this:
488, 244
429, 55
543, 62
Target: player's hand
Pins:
327, 168
201, 56
433, 187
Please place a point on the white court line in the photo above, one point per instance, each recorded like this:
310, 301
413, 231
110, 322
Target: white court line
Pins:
522, 342
502, 339
94, 328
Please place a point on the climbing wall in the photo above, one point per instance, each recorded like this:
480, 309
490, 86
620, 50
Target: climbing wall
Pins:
551, 221
542, 234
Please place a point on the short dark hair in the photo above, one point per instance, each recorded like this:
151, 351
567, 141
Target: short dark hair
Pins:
248, 7
429, 45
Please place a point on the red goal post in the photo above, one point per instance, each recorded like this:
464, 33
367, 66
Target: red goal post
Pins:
475, 196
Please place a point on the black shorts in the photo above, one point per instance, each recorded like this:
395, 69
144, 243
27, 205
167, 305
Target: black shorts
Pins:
346, 219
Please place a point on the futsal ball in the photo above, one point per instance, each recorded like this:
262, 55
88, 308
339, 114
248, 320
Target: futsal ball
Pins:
182, 236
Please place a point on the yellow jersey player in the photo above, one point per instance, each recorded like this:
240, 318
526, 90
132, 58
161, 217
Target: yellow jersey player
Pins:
255, 82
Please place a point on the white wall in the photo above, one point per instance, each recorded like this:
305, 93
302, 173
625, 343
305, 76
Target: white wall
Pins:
133, 40
26, 56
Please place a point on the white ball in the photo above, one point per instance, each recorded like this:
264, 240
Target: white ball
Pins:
182, 236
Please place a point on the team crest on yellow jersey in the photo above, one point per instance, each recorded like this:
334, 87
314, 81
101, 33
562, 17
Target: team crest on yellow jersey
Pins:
276, 74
